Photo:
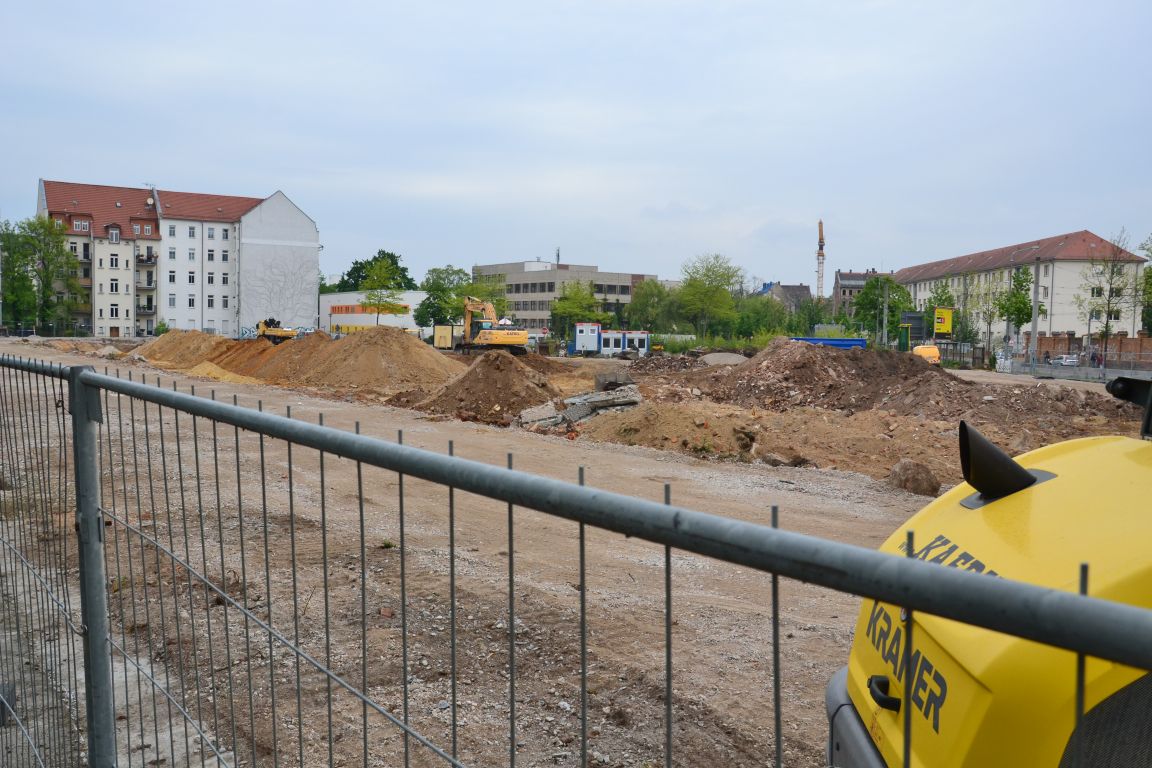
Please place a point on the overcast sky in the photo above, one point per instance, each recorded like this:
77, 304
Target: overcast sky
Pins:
631, 134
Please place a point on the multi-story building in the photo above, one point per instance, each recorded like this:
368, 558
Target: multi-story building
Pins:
531, 286
218, 263
845, 287
1058, 267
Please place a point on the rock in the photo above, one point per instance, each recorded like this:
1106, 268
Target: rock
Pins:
773, 460
914, 477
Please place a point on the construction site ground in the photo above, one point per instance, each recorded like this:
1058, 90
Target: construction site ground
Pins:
813, 431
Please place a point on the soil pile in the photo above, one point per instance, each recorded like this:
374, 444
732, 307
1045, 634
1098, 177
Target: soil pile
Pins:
494, 390
184, 349
656, 364
544, 365
793, 374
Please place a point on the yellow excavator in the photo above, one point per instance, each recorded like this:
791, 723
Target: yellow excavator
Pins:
484, 331
271, 330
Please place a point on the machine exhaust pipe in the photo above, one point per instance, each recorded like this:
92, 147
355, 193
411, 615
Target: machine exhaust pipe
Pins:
991, 471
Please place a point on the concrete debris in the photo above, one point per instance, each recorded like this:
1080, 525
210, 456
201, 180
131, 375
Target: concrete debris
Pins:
613, 380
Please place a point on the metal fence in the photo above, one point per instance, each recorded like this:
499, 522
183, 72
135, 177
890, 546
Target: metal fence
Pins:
190, 582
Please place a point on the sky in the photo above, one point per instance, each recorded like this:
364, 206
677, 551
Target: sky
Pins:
634, 135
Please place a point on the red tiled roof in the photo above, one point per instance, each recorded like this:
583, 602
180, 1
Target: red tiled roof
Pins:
102, 205
1074, 246
197, 207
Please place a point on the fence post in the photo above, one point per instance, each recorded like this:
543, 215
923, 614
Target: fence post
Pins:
84, 404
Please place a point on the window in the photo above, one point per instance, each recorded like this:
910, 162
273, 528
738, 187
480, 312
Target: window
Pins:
81, 226
114, 310
224, 278
1115, 292
191, 254
114, 235
191, 231
72, 247
1043, 291
114, 261
1046, 269
211, 255
211, 301
171, 230
224, 302
135, 229
191, 278
100, 313
211, 278
147, 229
1097, 292
114, 287
100, 263
60, 224
172, 300
172, 254
211, 233
1113, 314
191, 301
551, 287
1096, 314
101, 288
224, 234
85, 252
224, 254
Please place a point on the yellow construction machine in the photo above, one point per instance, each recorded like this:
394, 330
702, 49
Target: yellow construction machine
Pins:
484, 331
271, 330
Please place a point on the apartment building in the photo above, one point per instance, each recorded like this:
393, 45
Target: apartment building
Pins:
531, 286
217, 263
1058, 266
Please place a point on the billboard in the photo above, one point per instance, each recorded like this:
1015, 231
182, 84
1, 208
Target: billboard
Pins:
944, 321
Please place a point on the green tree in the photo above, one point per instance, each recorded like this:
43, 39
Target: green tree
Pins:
39, 272
355, 279
444, 303
381, 295
808, 314
1109, 288
16, 277
650, 306
705, 296
1015, 303
868, 305
577, 303
758, 314
984, 301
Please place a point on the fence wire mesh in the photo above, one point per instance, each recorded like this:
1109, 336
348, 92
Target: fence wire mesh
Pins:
281, 592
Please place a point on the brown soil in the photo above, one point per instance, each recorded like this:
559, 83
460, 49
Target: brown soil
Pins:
180, 350
494, 390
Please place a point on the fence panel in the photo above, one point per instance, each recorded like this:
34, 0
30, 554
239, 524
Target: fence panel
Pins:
280, 592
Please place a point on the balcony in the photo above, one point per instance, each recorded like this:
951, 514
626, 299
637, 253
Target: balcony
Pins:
144, 285
86, 282
142, 258
82, 309
145, 310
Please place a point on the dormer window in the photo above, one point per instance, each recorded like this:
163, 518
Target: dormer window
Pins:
135, 229
114, 235
81, 226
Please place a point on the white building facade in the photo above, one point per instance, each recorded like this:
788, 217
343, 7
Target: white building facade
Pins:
216, 263
345, 312
1058, 267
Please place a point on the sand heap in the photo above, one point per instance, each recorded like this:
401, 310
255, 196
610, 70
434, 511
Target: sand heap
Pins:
790, 374
377, 361
494, 390
184, 349
657, 364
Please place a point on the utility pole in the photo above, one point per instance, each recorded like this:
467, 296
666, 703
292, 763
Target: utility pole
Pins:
1032, 343
885, 313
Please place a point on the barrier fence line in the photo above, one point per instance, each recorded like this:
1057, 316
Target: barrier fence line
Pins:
209, 537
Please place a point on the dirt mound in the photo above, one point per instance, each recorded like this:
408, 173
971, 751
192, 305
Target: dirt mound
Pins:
793, 374
183, 349
544, 365
654, 364
494, 390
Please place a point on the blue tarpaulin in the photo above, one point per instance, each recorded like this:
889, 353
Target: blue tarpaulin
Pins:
841, 343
